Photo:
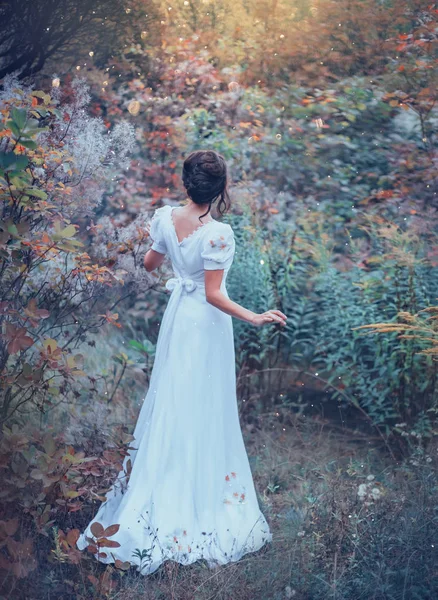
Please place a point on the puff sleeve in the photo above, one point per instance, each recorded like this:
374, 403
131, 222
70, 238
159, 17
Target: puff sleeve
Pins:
218, 248
156, 231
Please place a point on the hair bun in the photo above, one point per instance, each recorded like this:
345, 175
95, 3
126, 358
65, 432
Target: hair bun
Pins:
204, 176
215, 169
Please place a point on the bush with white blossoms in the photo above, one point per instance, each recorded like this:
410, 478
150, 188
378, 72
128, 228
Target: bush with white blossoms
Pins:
80, 152
369, 492
56, 161
123, 247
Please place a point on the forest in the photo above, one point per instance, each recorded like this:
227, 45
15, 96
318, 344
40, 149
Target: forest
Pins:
326, 113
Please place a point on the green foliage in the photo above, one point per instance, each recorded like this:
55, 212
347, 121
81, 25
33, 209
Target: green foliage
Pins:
384, 377
250, 285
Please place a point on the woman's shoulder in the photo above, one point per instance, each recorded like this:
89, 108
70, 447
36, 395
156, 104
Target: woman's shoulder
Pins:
218, 234
221, 227
218, 231
162, 210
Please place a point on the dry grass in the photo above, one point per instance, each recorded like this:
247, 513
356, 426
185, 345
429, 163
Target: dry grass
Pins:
327, 542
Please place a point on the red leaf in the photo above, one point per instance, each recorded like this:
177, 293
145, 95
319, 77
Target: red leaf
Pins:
111, 530
10, 526
97, 529
34, 313
104, 543
17, 338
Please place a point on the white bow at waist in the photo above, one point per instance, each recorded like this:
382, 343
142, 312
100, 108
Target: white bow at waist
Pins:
176, 285
186, 283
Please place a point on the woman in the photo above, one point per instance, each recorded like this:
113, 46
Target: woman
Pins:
186, 490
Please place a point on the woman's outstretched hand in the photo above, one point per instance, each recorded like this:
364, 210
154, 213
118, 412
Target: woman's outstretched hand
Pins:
270, 316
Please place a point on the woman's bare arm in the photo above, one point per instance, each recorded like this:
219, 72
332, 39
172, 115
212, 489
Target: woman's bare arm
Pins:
152, 260
213, 280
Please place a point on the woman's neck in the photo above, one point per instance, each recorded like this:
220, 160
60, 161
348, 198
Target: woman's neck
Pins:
196, 209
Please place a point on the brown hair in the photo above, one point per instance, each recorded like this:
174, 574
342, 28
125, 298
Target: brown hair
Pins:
205, 178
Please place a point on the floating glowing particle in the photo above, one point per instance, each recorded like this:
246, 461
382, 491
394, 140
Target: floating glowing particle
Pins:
78, 68
55, 82
233, 86
281, 36
91, 53
278, 136
128, 10
134, 107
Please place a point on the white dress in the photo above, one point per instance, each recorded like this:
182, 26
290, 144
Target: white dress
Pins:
190, 493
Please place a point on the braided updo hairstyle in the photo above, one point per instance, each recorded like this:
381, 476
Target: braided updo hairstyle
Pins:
205, 178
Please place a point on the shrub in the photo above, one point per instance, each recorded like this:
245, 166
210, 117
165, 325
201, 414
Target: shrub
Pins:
54, 163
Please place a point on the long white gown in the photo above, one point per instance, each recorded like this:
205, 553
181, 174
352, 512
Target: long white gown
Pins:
190, 494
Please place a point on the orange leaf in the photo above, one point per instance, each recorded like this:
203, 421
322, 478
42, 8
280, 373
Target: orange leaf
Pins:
72, 537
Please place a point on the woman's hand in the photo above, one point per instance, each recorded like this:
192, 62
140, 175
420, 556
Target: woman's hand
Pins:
270, 316
214, 296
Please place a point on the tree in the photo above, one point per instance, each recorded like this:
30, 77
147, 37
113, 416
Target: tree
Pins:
34, 31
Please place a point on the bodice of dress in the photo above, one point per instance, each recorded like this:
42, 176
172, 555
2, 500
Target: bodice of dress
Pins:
209, 247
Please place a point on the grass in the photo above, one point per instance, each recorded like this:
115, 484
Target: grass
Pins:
348, 523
